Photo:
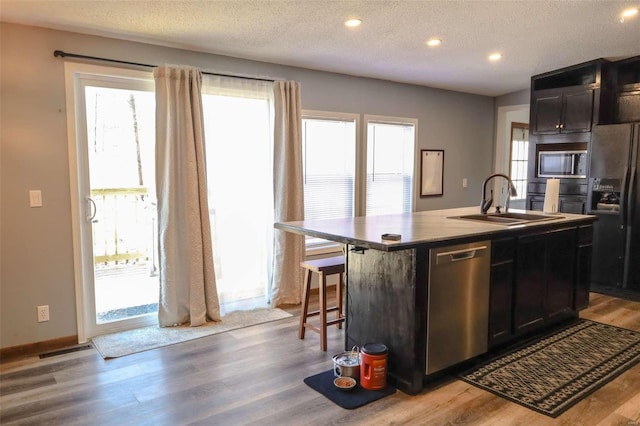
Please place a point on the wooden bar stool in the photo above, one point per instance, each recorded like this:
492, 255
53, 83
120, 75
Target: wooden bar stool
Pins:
324, 268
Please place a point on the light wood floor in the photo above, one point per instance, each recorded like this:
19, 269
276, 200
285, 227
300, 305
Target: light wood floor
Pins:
254, 376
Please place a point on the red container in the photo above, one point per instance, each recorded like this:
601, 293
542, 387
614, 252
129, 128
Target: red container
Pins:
373, 366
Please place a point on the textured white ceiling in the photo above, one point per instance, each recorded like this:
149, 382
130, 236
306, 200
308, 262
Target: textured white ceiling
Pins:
534, 36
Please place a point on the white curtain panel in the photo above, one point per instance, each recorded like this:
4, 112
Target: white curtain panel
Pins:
187, 279
286, 285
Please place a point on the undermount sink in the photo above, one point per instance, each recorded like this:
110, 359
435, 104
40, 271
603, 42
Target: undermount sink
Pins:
508, 218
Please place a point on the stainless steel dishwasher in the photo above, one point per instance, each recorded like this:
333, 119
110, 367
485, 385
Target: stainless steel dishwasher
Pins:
458, 304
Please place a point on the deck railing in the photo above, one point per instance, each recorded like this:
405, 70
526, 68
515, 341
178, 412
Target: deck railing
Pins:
124, 226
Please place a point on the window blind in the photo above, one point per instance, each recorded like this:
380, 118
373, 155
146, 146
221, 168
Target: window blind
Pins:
390, 156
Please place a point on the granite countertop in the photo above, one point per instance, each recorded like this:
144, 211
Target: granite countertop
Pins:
419, 228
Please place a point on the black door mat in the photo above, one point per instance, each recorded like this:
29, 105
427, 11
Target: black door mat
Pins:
356, 397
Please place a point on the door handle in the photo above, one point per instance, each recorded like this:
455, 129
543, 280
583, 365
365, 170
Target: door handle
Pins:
458, 255
630, 195
90, 215
623, 194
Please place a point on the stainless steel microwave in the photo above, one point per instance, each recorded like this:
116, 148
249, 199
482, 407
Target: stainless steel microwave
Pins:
562, 164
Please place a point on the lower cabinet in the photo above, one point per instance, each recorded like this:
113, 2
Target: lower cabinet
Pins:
537, 279
501, 290
583, 267
530, 283
560, 267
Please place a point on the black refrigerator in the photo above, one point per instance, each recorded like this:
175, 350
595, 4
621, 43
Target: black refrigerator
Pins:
614, 198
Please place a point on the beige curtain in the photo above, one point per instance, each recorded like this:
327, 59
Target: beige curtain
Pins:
288, 193
187, 280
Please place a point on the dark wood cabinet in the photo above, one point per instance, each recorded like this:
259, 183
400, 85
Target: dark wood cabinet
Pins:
583, 267
546, 113
568, 204
567, 110
544, 278
529, 291
574, 205
535, 203
577, 111
501, 291
567, 103
387, 303
627, 106
560, 251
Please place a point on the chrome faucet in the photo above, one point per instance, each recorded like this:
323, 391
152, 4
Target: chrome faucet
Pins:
485, 204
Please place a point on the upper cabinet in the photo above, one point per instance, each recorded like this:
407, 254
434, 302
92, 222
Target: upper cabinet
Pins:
566, 104
562, 111
627, 86
570, 100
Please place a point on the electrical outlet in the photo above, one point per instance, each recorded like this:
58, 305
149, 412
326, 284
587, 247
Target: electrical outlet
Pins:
43, 313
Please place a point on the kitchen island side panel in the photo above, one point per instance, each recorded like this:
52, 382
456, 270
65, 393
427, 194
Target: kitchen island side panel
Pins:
386, 304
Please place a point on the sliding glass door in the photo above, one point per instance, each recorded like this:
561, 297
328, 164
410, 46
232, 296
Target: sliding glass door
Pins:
112, 150
112, 144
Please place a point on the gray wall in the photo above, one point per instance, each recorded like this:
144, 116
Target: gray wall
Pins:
36, 247
521, 97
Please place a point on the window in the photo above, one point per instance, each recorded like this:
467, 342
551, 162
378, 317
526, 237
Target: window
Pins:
390, 166
329, 162
329, 167
345, 177
519, 157
238, 125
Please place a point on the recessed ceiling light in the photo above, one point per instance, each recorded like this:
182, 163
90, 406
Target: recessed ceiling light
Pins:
353, 23
433, 42
629, 13
495, 57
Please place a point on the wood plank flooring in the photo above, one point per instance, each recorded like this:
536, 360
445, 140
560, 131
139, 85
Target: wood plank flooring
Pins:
254, 376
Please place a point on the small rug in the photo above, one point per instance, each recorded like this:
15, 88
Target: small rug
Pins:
555, 372
354, 398
152, 337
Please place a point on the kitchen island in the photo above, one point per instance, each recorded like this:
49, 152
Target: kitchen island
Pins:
528, 276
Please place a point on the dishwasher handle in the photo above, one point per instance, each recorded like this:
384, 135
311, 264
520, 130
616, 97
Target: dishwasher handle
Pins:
458, 255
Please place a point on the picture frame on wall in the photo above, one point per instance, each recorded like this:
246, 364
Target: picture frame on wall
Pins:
431, 172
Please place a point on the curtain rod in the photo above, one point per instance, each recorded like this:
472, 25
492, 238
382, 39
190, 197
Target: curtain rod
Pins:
62, 54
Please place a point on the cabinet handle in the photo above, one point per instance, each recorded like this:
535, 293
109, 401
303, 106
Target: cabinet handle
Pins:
557, 126
562, 126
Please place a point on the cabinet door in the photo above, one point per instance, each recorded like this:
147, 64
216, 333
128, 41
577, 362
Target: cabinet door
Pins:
501, 291
577, 111
536, 203
628, 107
560, 252
583, 267
546, 115
572, 205
529, 297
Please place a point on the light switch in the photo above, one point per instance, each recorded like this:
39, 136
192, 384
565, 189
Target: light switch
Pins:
35, 198
464, 182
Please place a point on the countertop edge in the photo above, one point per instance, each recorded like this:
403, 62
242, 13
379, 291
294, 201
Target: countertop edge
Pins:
488, 231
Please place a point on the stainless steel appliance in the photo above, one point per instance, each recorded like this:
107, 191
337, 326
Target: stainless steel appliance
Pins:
457, 304
562, 164
613, 197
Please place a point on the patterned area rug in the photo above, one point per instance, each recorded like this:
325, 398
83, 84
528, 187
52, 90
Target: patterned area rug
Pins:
152, 337
554, 373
